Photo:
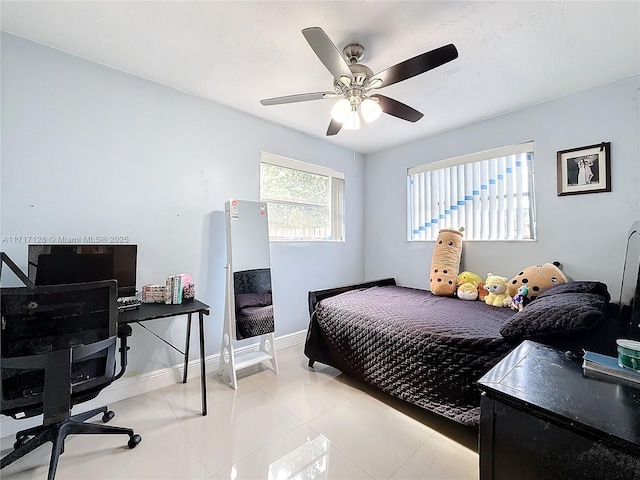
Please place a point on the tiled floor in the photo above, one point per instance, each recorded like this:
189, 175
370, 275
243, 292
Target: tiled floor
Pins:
304, 423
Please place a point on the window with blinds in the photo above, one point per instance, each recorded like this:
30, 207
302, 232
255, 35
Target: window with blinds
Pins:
305, 201
489, 193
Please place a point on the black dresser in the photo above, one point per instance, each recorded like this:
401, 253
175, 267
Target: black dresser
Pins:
542, 419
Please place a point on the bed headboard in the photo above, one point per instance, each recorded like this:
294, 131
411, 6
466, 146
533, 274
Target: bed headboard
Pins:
630, 288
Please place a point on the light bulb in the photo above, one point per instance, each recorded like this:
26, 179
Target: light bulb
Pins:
341, 110
353, 121
374, 83
370, 110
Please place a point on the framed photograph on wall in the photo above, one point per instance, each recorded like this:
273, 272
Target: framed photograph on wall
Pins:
585, 169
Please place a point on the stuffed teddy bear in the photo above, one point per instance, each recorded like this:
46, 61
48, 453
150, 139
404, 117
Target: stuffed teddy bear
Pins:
520, 298
468, 277
445, 262
467, 291
537, 278
497, 288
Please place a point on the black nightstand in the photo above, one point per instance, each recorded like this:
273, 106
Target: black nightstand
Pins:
542, 419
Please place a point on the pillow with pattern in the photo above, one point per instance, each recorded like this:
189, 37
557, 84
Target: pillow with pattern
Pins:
571, 306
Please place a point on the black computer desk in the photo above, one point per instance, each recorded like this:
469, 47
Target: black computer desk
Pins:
153, 311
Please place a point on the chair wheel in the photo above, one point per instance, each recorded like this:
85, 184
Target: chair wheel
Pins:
108, 416
134, 441
20, 442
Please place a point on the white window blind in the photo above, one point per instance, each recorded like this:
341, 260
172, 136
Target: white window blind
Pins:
489, 193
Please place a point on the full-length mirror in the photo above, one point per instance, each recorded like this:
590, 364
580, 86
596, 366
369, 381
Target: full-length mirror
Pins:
249, 297
249, 260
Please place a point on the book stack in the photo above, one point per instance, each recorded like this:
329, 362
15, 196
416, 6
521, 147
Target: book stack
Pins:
188, 292
153, 293
597, 365
179, 288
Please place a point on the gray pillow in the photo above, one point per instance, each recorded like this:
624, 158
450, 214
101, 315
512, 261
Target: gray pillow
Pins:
597, 288
573, 306
245, 300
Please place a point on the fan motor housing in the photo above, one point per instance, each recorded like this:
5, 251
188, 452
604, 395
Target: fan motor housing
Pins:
361, 73
354, 52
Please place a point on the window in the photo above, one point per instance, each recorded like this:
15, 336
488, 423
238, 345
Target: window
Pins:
489, 193
305, 202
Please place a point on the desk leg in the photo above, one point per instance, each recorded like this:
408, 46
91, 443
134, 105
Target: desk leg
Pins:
203, 377
186, 350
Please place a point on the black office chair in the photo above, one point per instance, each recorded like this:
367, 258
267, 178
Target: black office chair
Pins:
58, 350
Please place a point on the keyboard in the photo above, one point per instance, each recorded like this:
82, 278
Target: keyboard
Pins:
128, 303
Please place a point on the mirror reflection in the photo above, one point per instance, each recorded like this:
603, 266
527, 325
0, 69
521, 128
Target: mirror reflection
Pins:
249, 260
253, 303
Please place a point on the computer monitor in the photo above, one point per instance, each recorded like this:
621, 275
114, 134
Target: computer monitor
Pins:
63, 264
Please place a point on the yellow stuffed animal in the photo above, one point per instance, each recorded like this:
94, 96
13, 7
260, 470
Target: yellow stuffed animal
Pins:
469, 277
497, 288
467, 291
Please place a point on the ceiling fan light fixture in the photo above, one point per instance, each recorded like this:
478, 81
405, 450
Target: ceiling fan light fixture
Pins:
353, 121
346, 81
374, 83
341, 110
370, 110
352, 81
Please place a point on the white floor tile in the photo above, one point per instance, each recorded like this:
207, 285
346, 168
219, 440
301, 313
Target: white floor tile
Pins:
315, 423
440, 458
237, 427
185, 399
303, 391
300, 454
109, 457
378, 438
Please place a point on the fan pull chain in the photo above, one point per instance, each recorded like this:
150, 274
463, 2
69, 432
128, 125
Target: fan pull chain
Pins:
354, 153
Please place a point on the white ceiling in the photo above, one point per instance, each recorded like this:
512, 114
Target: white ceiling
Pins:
511, 54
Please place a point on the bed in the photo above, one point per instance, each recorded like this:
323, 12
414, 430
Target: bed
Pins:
431, 350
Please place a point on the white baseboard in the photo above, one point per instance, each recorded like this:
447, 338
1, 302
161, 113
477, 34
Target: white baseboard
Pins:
128, 387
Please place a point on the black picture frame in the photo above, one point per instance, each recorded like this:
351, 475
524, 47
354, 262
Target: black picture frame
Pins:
584, 169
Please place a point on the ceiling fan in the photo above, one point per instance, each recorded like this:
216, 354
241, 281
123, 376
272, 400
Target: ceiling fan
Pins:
354, 81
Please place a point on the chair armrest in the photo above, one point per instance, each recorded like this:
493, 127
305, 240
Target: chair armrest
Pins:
124, 331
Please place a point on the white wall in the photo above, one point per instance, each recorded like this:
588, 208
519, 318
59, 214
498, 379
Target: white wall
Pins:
586, 233
88, 150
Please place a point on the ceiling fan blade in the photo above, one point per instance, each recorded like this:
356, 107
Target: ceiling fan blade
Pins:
328, 53
416, 65
398, 109
334, 127
302, 97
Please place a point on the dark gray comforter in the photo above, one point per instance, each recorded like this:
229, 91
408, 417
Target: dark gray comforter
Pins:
430, 351
421, 348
